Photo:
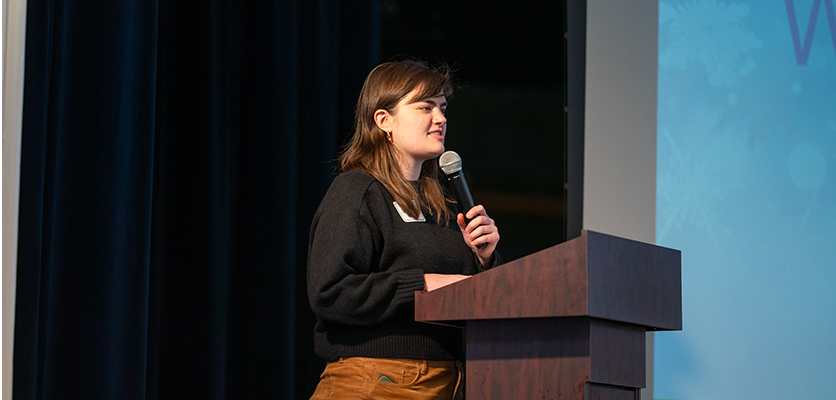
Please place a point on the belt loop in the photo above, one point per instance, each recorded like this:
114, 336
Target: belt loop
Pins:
458, 389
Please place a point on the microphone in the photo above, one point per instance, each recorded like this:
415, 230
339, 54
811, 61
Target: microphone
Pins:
451, 163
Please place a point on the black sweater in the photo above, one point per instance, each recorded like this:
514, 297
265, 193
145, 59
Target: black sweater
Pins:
364, 264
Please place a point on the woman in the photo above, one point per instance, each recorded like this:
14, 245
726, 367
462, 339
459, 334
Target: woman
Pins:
384, 231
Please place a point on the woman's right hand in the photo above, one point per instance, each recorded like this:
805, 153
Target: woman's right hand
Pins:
481, 230
435, 281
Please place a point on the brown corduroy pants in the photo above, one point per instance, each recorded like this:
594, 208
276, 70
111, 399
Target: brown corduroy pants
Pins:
363, 378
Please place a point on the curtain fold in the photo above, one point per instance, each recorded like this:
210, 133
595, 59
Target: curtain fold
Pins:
85, 202
173, 154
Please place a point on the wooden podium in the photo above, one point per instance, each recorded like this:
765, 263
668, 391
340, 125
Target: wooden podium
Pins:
567, 322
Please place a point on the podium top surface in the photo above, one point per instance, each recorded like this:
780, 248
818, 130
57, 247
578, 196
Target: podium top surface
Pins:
596, 275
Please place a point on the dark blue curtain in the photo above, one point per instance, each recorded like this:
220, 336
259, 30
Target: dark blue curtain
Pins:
173, 154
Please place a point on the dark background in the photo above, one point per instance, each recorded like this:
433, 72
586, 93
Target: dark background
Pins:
173, 154
506, 119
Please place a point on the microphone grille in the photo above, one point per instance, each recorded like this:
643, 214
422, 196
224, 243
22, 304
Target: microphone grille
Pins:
450, 162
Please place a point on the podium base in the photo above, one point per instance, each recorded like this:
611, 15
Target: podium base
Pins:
578, 358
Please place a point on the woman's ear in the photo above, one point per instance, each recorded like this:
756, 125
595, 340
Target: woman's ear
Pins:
383, 120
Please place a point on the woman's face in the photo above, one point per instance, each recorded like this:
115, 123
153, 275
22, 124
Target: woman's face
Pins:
418, 127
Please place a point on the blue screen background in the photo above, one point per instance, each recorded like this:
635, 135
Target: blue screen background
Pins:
746, 189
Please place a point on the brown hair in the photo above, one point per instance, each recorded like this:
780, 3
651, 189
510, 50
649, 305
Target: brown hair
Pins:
369, 149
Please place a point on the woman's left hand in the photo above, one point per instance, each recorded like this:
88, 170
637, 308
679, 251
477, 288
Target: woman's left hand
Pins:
481, 229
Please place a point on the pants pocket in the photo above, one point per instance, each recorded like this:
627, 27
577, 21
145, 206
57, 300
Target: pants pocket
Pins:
398, 372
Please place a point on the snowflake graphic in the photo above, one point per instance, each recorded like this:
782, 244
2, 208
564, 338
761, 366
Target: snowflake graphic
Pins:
707, 33
689, 189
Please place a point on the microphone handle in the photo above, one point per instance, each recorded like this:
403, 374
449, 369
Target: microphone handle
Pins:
463, 197
462, 192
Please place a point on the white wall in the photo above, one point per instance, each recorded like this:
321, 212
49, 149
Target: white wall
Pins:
14, 29
620, 124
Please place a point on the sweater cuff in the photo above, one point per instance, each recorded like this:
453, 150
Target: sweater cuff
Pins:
409, 282
497, 261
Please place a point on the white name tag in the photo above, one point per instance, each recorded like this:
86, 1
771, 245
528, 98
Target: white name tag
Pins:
406, 217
